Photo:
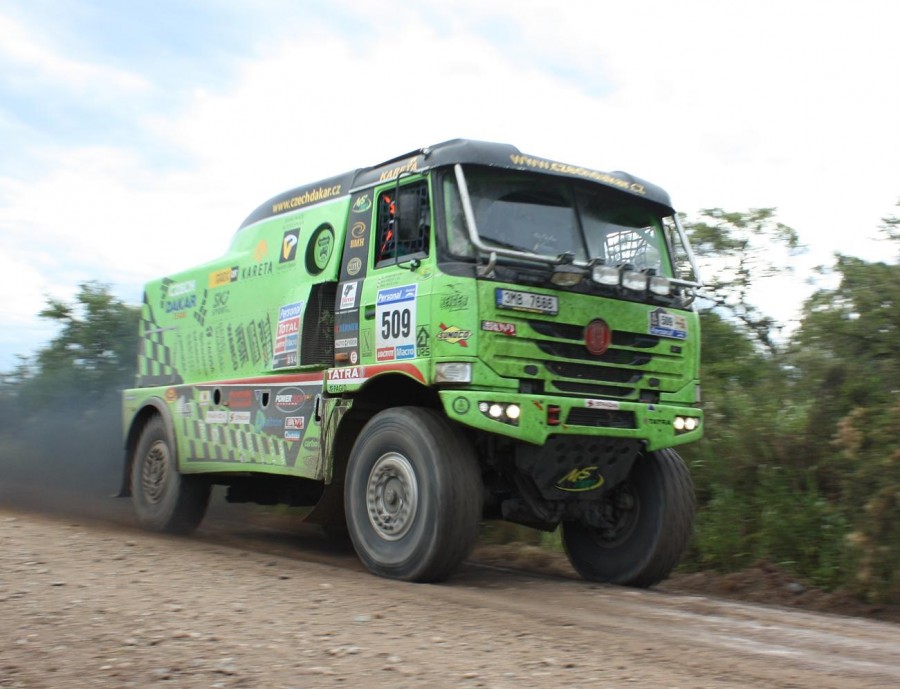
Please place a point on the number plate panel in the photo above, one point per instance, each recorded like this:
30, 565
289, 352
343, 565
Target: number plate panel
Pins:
531, 302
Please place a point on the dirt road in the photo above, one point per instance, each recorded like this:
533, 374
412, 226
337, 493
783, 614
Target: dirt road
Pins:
97, 603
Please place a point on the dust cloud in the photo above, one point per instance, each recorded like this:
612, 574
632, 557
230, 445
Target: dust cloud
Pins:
67, 457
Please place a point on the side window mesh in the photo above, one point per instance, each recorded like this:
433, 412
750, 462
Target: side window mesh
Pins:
404, 223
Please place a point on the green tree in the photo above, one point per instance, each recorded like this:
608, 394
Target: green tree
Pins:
737, 251
94, 352
846, 349
757, 488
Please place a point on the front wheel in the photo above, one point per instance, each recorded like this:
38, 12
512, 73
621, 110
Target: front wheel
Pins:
413, 495
647, 521
164, 499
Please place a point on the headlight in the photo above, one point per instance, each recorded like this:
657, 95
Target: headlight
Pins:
605, 275
634, 281
685, 424
660, 285
453, 372
566, 276
501, 411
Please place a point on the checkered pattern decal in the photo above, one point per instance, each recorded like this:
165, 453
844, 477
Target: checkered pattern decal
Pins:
156, 365
254, 435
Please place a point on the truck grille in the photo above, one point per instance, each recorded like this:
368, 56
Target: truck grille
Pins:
601, 418
637, 366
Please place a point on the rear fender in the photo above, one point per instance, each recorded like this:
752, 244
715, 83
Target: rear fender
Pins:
154, 406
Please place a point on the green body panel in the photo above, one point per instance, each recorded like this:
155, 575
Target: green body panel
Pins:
266, 426
231, 318
637, 360
516, 345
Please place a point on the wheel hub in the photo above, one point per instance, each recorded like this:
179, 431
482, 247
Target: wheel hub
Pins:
154, 472
392, 496
619, 515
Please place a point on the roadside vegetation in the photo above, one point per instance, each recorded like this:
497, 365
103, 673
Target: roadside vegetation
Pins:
799, 465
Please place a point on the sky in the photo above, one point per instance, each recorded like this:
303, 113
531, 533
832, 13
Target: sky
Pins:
136, 136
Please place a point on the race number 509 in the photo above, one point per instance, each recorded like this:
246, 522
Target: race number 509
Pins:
396, 324
395, 316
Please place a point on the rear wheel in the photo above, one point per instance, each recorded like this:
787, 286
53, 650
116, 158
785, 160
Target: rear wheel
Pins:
413, 495
647, 521
164, 499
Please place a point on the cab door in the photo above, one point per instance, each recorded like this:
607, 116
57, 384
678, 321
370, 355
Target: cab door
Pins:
396, 294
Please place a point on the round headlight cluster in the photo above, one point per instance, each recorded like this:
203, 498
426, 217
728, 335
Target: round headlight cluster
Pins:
684, 424
500, 411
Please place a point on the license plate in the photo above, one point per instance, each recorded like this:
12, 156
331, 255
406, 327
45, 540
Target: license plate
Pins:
527, 301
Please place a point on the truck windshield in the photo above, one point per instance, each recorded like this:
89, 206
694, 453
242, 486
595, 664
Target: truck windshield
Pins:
549, 216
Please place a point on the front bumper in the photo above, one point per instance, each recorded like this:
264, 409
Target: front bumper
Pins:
541, 416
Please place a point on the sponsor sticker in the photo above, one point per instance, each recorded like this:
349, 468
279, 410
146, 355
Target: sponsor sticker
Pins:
581, 479
348, 295
601, 404
240, 399
289, 246
223, 277
239, 417
216, 416
179, 289
666, 324
405, 352
395, 323
455, 302
289, 400
362, 204
350, 374
287, 336
295, 423
454, 335
358, 235
499, 327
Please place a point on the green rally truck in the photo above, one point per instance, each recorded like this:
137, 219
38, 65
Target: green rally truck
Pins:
461, 333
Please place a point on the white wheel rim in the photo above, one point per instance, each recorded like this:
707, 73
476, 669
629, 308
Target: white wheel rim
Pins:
392, 496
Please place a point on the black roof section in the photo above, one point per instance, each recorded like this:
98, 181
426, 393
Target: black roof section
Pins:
463, 151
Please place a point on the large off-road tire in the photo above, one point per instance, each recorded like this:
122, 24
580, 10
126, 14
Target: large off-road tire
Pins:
651, 517
413, 495
164, 499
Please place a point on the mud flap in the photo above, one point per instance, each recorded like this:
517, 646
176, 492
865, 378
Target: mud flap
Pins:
330, 507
